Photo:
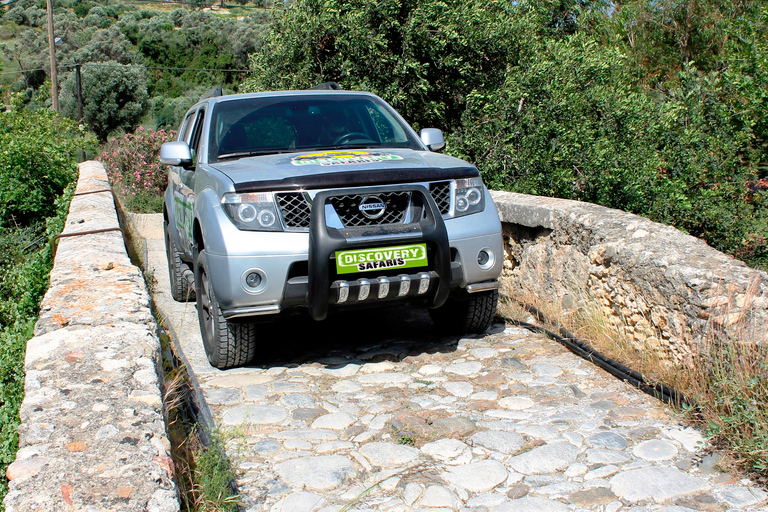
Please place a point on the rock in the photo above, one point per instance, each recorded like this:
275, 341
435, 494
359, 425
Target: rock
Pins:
545, 459
438, 496
592, 497
690, 438
601, 456
655, 449
516, 403
299, 501
346, 386
445, 449
477, 477
467, 369
297, 400
518, 491
25, 468
387, 455
655, 483
266, 446
319, 473
218, 396
546, 370
531, 504
607, 440
334, 421
255, 414
310, 434
499, 441
76, 446
740, 497
454, 426
460, 389
378, 379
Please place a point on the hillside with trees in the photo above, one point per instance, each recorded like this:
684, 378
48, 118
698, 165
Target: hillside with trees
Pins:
139, 63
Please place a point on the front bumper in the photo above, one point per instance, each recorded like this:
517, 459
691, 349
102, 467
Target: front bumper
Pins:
303, 277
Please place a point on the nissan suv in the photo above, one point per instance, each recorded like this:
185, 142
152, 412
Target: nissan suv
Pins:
318, 201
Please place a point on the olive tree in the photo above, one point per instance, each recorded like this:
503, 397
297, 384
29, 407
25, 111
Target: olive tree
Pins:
114, 97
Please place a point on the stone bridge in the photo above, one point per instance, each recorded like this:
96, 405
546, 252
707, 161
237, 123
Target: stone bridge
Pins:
373, 411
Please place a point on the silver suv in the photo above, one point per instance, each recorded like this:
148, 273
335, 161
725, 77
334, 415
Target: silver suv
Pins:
317, 201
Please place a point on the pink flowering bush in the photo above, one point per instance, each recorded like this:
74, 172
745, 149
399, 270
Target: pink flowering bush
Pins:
132, 165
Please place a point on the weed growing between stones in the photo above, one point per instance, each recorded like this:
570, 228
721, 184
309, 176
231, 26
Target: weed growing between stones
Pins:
203, 471
731, 389
581, 314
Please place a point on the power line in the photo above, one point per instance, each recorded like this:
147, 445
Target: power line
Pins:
104, 64
175, 2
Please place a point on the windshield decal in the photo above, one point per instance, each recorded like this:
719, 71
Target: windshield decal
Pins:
343, 158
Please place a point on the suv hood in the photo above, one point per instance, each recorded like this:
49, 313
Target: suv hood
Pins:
342, 168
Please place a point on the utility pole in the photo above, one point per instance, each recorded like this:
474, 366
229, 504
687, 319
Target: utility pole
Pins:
79, 103
52, 51
79, 93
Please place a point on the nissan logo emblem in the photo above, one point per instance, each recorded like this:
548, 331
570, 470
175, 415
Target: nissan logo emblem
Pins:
372, 207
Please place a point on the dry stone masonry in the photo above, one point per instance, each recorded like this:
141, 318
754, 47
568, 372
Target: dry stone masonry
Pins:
668, 291
92, 436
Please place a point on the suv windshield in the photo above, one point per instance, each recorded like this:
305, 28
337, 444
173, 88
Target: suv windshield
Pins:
269, 125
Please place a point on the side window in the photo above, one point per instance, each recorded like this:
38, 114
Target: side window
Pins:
197, 130
186, 127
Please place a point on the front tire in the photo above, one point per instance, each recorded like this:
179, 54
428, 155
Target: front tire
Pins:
227, 344
179, 272
472, 315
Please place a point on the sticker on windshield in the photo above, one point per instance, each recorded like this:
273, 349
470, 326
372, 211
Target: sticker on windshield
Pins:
364, 260
343, 158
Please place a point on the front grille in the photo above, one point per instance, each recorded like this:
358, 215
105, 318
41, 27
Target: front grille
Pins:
294, 209
441, 193
348, 208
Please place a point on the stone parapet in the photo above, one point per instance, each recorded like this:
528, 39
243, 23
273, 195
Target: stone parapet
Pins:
93, 435
662, 288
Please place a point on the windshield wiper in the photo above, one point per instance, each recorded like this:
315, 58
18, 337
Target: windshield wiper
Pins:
357, 146
255, 152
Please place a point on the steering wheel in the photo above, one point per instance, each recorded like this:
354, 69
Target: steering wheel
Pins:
346, 139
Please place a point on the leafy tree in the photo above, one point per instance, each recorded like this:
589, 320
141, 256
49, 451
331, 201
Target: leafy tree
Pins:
425, 57
114, 97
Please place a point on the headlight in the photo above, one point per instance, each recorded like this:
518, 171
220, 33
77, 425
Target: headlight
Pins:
253, 211
470, 197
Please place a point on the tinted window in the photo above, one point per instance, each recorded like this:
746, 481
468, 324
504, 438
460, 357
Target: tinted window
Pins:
306, 123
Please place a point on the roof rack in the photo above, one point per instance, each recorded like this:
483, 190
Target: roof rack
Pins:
327, 86
216, 91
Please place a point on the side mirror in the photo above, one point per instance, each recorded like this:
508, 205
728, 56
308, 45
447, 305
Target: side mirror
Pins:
176, 153
432, 138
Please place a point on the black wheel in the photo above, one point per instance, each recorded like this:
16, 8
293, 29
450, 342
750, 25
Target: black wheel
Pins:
179, 271
227, 344
471, 315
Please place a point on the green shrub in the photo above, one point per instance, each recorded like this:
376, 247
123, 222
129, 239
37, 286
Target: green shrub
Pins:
35, 165
133, 168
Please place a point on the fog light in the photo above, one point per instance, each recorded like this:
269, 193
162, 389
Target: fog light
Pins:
485, 258
253, 280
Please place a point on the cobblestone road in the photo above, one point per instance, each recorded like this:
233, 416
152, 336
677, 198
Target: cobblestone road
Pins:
371, 409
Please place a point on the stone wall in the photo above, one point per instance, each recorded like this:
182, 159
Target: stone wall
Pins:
93, 436
664, 289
